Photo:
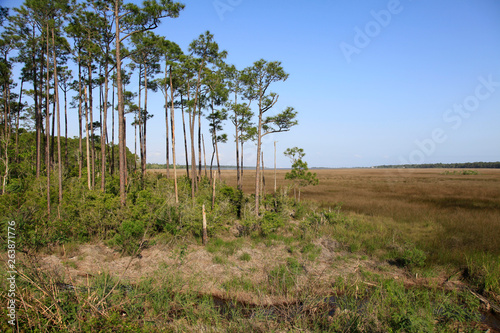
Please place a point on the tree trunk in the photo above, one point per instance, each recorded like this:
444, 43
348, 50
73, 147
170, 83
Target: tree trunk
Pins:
91, 115
56, 96
192, 120
173, 136
66, 159
257, 168
104, 124
135, 142
185, 138
47, 125
167, 141
112, 169
80, 115
204, 155
52, 137
121, 116
237, 138
139, 122
199, 144
89, 180
38, 115
274, 167
144, 136
195, 112
241, 168
263, 176
217, 153
17, 119
212, 161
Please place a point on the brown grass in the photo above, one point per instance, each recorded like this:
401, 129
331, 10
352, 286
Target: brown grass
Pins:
461, 213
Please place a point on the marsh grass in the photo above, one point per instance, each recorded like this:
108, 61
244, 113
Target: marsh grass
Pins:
449, 215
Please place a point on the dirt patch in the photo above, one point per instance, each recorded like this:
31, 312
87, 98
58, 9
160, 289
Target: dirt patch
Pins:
91, 260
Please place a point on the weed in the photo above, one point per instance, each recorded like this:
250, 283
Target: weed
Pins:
284, 277
245, 256
311, 251
219, 260
270, 223
412, 257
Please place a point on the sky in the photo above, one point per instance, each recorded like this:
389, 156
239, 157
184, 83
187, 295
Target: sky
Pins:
374, 82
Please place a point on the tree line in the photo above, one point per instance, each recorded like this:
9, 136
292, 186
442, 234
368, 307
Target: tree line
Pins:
83, 55
467, 165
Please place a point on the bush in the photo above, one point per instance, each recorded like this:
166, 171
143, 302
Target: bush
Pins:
412, 257
270, 223
129, 236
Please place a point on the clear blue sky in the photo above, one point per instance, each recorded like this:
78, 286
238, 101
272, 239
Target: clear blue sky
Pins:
378, 82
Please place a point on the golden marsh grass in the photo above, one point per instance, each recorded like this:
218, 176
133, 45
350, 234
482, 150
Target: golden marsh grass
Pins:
449, 215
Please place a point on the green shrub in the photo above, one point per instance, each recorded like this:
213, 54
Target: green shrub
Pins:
413, 257
270, 223
245, 256
129, 237
311, 251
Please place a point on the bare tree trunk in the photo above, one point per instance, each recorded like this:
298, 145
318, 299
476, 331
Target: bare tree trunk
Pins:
7, 133
241, 167
112, 168
257, 168
274, 167
139, 121
91, 115
204, 231
104, 123
185, 139
135, 142
192, 120
199, 144
47, 125
212, 161
56, 96
66, 159
80, 115
145, 119
237, 138
263, 176
213, 189
121, 116
217, 153
52, 137
38, 114
89, 180
41, 104
173, 136
17, 119
204, 155
167, 141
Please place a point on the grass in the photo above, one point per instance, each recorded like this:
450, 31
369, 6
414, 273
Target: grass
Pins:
449, 215
245, 256
452, 217
168, 301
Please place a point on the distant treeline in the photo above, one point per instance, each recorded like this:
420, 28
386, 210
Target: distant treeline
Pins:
469, 165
